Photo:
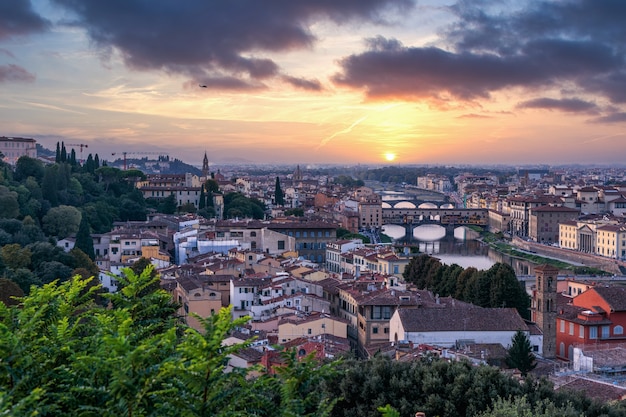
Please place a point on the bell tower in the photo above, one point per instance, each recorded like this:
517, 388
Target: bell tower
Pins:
544, 307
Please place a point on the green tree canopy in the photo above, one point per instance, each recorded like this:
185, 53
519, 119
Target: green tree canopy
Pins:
61, 221
28, 167
9, 206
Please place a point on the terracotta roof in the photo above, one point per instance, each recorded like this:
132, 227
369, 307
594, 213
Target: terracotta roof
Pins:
460, 319
594, 389
614, 296
553, 209
249, 354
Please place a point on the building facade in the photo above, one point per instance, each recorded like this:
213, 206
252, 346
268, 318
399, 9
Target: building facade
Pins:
14, 148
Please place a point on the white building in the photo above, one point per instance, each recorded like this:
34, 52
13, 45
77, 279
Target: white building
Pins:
448, 326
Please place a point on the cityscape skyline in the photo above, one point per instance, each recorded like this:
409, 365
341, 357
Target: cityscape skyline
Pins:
372, 82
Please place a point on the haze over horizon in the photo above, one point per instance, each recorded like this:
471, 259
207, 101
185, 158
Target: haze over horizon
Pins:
352, 81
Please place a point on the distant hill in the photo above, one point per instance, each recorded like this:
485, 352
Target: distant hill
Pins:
159, 165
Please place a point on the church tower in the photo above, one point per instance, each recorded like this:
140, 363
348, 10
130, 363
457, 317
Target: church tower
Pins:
205, 167
297, 176
544, 307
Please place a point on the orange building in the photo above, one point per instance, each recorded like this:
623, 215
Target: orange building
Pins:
596, 316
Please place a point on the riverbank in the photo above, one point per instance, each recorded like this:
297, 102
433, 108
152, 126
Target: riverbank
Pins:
542, 254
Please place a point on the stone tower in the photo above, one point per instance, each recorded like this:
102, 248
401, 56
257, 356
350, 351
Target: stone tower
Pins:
297, 176
205, 167
544, 307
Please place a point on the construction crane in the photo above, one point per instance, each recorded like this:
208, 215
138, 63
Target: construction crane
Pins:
78, 145
136, 153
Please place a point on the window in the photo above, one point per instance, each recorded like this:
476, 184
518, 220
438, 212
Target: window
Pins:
606, 332
252, 234
562, 327
571, 328
281, 245
309, 331
593, 332
375, 330
618, 330
581, 332
381, 312
305, 234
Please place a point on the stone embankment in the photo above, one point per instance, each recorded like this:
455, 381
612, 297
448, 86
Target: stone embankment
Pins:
567, 255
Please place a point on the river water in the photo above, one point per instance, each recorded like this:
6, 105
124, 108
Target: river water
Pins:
454, 249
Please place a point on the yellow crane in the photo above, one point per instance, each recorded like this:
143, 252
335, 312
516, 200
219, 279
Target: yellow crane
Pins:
78, 145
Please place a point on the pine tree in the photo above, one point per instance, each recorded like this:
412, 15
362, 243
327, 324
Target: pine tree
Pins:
84, 241
279, 197
520, 355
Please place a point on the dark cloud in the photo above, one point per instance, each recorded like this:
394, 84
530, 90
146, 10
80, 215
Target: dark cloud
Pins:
612, 118
12, 72
302, 83
210, 39
573, 105
579, 45
18, 18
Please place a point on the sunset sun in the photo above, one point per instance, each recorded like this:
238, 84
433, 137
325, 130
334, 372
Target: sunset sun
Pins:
389, 156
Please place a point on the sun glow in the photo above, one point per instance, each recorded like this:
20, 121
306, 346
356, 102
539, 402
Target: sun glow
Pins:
389, 156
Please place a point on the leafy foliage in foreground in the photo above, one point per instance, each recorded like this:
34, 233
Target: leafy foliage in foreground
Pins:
62, 354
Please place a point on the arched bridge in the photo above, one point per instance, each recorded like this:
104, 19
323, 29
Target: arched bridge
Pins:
444, 216
413, 204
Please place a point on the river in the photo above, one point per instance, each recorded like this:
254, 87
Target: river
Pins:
453, 249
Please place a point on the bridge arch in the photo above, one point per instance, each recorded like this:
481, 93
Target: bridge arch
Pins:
404, 205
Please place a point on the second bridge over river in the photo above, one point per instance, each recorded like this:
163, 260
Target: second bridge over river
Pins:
443, 216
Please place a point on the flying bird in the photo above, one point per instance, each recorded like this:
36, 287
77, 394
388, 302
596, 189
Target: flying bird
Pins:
202, 85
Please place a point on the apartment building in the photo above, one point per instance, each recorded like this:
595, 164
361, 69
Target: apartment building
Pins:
597, 315
544, 222
520, 208
311, 236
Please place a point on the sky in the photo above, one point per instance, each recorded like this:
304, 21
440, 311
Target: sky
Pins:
319, 81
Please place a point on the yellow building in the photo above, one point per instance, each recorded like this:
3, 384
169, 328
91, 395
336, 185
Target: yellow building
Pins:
195, 295
310, 325
611, 241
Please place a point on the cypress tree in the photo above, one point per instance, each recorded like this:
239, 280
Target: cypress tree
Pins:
278, 194
89, 164
84, 241
202, 202
63, 153
96, 161
73, 157
49, 187
57, 157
